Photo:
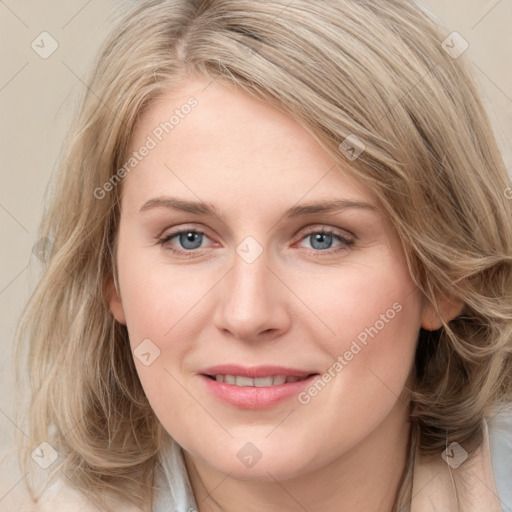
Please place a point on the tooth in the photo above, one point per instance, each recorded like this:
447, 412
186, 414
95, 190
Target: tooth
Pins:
263, 382
260, 382
244, 381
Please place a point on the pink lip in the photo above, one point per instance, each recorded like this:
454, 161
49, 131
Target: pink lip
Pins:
249, 397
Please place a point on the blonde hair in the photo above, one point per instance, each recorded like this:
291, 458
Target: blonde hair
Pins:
376, 72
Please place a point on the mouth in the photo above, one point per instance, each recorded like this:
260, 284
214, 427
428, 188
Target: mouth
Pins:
255, 387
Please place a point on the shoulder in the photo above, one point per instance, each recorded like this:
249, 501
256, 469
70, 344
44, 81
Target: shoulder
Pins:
60, 497
458, 480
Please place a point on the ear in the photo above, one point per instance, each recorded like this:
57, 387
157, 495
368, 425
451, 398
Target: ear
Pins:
114, 302
449, 308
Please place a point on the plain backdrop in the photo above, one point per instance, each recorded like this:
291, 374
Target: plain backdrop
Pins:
38, 96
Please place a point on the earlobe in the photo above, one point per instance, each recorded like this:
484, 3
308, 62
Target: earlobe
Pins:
115, 304
449, 309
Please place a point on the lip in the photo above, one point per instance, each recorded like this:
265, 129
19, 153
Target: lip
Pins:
249, 397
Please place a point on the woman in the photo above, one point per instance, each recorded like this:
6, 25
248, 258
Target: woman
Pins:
280, 270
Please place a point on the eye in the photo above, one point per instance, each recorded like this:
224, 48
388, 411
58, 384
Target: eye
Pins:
187, 240
323, 240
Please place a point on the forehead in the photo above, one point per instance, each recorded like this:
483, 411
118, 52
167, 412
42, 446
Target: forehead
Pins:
230, 145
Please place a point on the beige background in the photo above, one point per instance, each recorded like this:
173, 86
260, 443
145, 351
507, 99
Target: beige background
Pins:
37, 97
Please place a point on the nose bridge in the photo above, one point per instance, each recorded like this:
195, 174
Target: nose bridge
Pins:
248, 286
250, 302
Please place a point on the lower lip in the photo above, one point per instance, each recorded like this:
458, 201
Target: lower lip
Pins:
251, 397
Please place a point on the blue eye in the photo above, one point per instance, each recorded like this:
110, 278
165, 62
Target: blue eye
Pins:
321, 240
189, 240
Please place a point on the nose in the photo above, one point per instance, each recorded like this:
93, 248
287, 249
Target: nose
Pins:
252, 302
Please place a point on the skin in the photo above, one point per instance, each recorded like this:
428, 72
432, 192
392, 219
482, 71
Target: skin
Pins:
296, 305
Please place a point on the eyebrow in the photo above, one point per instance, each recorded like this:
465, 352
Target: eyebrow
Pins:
202, 208
207, 209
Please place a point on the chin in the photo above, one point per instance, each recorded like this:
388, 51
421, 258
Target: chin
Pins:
274, 461
262, 471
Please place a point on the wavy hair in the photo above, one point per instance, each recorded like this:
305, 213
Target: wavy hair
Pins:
377, 72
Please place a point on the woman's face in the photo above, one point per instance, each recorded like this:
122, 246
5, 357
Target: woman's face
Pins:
255, 290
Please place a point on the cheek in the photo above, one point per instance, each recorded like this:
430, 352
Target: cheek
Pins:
376, 319
373, 311
381, 327
164, 307
377, 350
373, 304
159, 299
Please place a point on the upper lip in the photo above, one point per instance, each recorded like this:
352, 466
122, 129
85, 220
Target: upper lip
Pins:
255, 371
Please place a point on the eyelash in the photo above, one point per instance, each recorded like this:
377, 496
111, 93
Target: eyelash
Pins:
346, 242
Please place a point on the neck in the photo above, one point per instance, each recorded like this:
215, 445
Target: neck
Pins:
366, 478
